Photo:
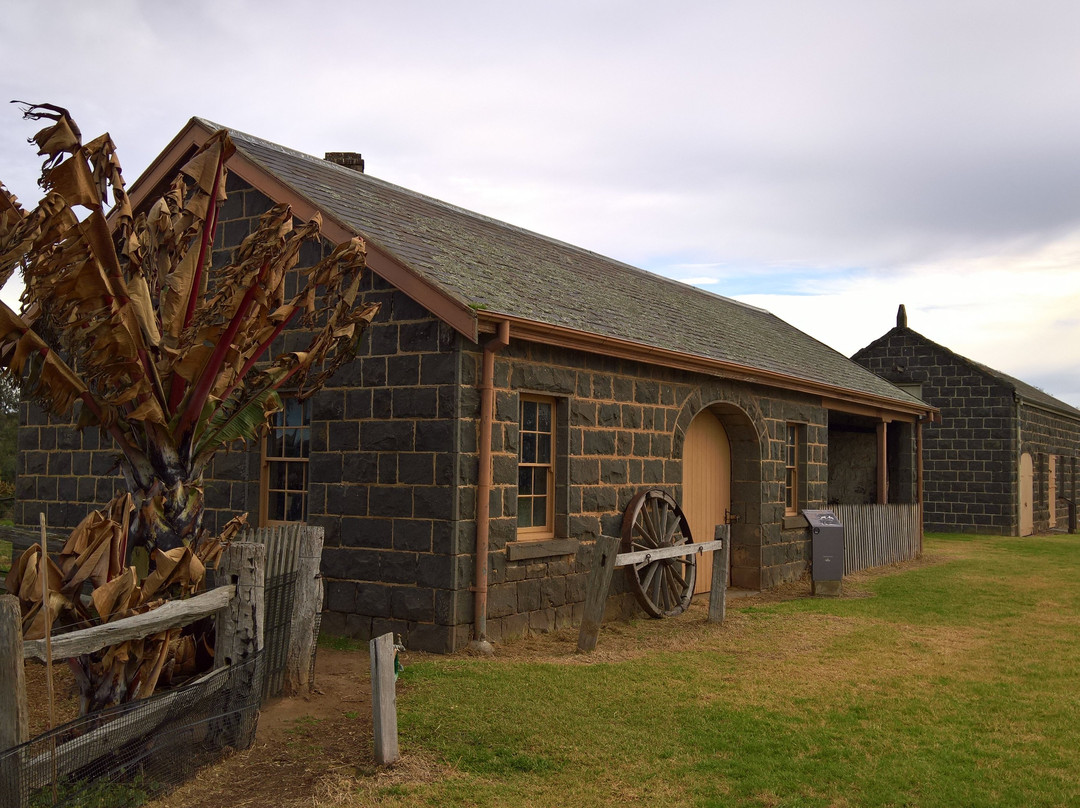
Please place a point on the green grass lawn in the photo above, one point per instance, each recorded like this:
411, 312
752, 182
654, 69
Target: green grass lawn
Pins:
5, 556
951, 683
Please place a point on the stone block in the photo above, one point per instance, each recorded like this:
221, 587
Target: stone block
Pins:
432, 502
502, 600
383, 436
415, 402
403, 371
437, 572
438, 368
528, 595
431, 638
552, 592
366, 532
412, 603
412, 534
393, 501
340, 596
598, 442
351, 564
419, 337
398, 567
431, 436
542, 621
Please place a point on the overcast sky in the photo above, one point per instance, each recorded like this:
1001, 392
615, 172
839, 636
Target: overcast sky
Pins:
824, 160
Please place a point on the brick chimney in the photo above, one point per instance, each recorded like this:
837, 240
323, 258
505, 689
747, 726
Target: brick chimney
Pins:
349, 159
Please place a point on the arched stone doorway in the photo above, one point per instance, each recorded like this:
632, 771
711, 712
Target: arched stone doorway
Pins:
720, 480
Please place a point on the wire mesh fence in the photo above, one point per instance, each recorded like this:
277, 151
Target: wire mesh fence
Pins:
280, 592
128, 754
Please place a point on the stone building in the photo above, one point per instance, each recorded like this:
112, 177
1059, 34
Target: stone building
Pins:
1003, 458
514, 393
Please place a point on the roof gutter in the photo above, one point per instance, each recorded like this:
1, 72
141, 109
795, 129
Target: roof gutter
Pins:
833, 397
483, 489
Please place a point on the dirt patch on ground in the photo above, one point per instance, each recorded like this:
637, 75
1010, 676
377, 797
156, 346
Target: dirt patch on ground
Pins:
318, 749
300, 742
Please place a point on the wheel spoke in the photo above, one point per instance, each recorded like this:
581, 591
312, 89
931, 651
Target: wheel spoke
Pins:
658, 580
647, 527
650, 573
673, 586
678, 579
649, 542
662, 523
669, 536
665, 590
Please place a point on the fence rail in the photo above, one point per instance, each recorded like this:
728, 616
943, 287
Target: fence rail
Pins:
875, 535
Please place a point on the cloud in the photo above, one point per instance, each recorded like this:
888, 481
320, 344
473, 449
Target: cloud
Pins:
1016, 313
830, 159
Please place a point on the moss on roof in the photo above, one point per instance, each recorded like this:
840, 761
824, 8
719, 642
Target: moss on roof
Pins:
497, 267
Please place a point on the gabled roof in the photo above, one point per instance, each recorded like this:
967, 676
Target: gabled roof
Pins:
1030, 394
1021, 390
474, 271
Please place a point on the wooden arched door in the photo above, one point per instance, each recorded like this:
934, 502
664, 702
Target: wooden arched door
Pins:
1027, 495
706, 485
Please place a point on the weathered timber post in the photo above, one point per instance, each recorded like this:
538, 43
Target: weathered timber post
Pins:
604, 554
306, 607
240, 636
384, 699
14, 724
718, 593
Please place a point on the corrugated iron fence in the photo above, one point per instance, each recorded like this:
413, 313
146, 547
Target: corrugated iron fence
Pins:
875, 535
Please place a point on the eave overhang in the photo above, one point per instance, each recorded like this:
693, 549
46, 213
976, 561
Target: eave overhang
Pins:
833, 397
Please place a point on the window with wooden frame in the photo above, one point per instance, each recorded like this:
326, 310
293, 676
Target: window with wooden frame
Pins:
536, 467
286, 449
793, 456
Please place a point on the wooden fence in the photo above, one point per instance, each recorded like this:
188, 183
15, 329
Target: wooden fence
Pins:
294, 597
239, 606
249, 621
875, 535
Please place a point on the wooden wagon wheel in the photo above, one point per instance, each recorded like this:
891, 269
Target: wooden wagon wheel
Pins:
662, 586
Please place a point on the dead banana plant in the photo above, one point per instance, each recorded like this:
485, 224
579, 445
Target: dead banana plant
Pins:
128, 326
135, 326
93, 559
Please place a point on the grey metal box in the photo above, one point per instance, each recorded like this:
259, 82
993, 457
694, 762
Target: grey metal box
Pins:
827, 540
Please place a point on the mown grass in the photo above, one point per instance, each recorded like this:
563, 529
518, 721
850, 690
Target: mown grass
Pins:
5, 556
950, 683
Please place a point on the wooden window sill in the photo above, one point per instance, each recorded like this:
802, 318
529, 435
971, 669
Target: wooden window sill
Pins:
540, 548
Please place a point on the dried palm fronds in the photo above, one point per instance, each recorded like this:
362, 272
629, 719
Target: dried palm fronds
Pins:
92, 560
159, 348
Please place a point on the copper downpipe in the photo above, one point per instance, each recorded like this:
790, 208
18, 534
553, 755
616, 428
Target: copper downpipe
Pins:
483, 490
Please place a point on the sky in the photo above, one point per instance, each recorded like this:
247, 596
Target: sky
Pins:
824, 160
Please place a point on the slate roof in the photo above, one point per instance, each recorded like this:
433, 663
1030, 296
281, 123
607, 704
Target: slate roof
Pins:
1029, 393
500, 268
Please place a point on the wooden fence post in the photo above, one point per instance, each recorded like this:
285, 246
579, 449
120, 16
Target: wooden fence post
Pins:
721, 559
307, 604
240, 633
384, 699
14, 725
604, 553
